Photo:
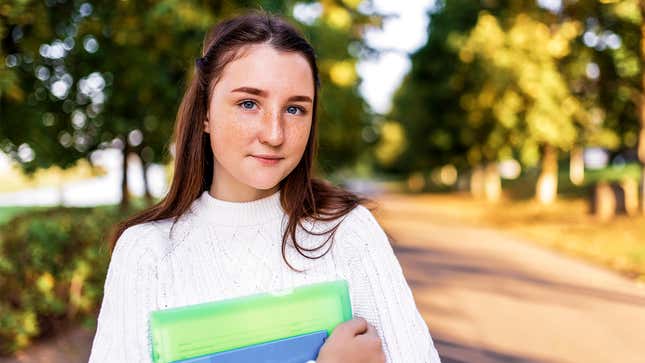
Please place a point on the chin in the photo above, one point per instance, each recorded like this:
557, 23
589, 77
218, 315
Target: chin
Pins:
263, 187
264, 184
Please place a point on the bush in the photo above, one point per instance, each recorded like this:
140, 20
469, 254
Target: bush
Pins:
52, 270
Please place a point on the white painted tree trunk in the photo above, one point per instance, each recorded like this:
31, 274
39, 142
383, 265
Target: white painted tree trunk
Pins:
547, 183
605, 202
630, 190
485, 182
492, 183
577, 166
477, 182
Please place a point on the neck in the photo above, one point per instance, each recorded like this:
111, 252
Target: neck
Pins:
247, 195
237, 213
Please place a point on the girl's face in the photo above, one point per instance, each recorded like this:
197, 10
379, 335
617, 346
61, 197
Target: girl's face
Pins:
259, 119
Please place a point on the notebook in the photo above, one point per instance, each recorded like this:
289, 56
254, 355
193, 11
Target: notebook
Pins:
204, 329
298, 349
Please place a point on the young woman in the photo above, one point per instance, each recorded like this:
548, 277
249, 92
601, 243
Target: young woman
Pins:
244, 214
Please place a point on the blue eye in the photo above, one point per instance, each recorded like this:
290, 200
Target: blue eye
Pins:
247, 103
295, 109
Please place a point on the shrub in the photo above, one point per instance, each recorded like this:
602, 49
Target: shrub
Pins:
52, 270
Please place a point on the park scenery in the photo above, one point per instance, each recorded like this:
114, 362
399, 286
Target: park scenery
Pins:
502, 140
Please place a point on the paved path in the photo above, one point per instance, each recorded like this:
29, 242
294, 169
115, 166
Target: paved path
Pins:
490, 298
70, 347
486, 297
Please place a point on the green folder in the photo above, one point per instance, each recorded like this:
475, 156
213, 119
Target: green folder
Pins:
195, 330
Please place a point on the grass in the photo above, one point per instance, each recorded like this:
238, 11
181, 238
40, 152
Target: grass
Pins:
6, 213
613, 173
523, 188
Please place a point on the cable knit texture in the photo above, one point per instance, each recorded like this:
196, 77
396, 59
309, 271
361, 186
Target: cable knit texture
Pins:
222, 249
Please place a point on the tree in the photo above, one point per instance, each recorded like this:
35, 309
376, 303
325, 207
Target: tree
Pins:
103, 74
523, 96
487, 86
426, 105
25, 105
610, 76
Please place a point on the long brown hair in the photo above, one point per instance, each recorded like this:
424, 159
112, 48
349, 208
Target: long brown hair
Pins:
302, 195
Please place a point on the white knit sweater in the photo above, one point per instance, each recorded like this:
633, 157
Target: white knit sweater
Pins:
222, 249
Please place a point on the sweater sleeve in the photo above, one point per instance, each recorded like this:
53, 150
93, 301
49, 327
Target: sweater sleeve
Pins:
122, 333
381, 295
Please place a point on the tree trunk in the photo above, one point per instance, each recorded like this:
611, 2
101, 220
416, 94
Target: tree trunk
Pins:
61, 190
630, 192
604, 201
125, 196
416, 182
492, 183
547, 184
146, 186
641, 149
477, 182
577, 166
641, 135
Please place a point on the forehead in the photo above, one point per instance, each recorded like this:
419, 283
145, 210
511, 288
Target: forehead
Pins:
262, 66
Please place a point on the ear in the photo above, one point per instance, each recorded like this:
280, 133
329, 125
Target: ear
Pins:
206, 126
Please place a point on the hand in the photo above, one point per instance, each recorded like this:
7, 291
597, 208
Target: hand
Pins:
354, 341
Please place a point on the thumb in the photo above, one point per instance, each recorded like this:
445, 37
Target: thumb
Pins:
352, 327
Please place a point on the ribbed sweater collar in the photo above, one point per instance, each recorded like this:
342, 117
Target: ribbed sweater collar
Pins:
222, 212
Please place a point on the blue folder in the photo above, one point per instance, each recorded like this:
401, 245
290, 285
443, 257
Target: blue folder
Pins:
298, 349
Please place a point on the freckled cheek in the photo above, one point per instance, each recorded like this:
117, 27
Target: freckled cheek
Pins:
230, 135
298, 137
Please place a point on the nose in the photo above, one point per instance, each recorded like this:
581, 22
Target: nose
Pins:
272, 132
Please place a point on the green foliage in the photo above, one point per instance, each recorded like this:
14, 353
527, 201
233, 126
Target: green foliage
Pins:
522, 91
522, 188
487, 86
7, 213
614, 173
52, 268
613, 95
142, 56
506, 79
427, 103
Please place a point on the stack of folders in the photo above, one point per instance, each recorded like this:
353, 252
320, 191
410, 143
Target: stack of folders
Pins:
273, 327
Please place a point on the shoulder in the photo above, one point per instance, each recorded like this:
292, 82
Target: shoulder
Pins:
361, 214
361, 238
360, 219
145, 242
360, 228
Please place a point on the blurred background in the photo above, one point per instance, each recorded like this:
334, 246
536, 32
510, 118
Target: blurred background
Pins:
503, 140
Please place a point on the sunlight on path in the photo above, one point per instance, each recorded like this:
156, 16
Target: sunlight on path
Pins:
488, 297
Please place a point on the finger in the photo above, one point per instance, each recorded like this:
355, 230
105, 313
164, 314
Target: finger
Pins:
353, 327
371, 340
370, 331
360, 325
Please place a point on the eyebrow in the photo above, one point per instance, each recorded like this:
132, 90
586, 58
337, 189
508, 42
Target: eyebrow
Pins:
262, 93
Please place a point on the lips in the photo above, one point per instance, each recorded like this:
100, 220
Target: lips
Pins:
267, 160
268, 157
